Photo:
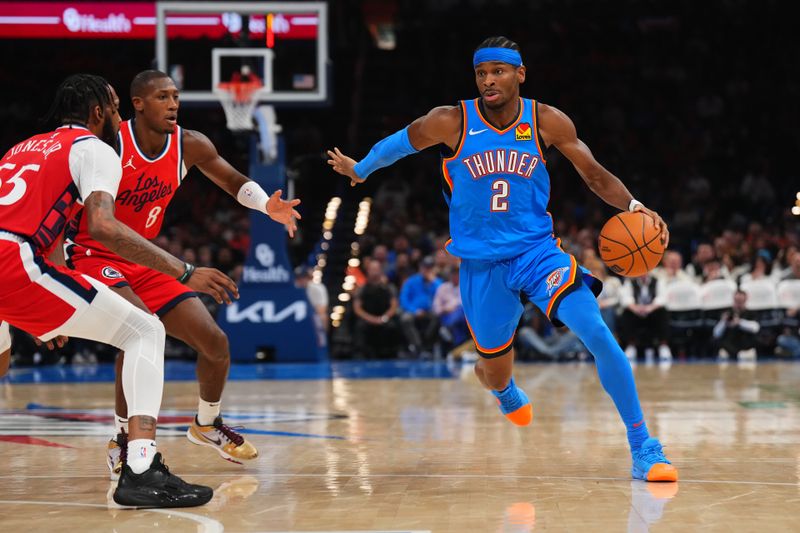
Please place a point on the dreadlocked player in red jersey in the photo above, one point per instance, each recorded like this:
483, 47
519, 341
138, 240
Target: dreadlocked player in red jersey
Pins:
43, 181
156, 154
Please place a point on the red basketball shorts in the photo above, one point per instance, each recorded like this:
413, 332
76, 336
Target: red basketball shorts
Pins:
35, 295
159, 292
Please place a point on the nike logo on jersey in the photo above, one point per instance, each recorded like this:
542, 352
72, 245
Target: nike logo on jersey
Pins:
129, 164
476, 132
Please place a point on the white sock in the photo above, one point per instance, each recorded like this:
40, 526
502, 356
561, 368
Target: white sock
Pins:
120, 424
207, 412
140, 454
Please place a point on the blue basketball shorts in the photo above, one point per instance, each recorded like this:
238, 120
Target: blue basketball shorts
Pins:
490, 292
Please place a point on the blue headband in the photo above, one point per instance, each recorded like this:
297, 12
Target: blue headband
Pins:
506, 55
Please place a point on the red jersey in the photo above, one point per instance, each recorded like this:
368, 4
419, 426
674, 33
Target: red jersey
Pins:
39, 192
145, 191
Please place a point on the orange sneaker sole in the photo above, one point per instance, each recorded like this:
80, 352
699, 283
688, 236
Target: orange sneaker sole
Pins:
522, 416
662, 472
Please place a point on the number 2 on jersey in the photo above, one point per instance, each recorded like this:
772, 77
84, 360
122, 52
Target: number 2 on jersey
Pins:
18, 191
500, 197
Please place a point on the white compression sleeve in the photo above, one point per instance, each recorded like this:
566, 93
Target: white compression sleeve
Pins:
253, 196
113, 320
5, 337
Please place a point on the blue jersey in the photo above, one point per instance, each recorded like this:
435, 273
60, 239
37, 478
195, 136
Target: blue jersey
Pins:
497, 187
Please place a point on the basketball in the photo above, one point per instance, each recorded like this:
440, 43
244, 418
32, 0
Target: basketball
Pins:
630, 245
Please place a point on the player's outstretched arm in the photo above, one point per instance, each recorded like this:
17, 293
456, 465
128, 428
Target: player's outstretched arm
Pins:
128, 244
200, 151
558, 130
440, 125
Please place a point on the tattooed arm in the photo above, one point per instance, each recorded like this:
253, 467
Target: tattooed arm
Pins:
128, 244
122, 240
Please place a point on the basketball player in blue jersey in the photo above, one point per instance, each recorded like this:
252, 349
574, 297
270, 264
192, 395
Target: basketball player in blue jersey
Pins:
497, 188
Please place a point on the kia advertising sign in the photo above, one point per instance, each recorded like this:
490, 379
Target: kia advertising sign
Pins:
271, 316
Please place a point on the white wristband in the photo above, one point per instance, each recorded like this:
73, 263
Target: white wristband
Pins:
633, 204
253, 196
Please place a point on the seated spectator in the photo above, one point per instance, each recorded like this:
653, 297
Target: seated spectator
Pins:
736, 332
417, 319
538, 335
189, 255
761, 267
381, 254
644, 318
375, 306
225, 260
703, 257
316, 292
711, 271
204, 256
793, 271
449, 310
399, 246
671, 268
400, 271
789, 343
608, 299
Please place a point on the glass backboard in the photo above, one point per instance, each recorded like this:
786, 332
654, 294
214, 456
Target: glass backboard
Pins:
282, 44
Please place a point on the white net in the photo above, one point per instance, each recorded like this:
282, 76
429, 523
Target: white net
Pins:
238, 100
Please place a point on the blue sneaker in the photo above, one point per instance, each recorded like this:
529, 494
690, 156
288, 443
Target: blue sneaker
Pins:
650, 464
514, 404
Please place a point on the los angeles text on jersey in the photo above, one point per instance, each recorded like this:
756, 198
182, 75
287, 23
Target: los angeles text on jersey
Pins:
147, 189
501, 161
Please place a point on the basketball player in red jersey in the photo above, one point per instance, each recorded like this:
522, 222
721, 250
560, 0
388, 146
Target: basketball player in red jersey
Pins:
156, 153
43, 181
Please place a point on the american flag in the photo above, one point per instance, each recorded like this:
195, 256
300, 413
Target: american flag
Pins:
303, 81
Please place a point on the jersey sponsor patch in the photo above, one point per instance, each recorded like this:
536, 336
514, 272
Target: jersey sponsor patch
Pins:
110, 273
555, 279
523, 132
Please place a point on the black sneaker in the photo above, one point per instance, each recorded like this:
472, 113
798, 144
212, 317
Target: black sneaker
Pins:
157, 487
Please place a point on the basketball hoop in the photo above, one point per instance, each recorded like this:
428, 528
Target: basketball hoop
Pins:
238, 100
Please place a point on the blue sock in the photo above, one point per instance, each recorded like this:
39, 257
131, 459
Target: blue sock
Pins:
580, 312
510, 386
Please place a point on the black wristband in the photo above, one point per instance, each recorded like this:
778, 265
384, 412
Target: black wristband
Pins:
187, 273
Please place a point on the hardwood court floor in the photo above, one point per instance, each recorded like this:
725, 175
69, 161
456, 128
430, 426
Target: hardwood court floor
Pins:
427, 455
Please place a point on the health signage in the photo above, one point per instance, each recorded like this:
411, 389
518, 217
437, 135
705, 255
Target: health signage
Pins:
134, 20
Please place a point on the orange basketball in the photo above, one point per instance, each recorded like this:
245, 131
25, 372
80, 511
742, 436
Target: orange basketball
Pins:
630, 245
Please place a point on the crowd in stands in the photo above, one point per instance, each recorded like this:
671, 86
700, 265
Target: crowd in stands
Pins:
736, 294
409, 305
660, 97
693, 109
